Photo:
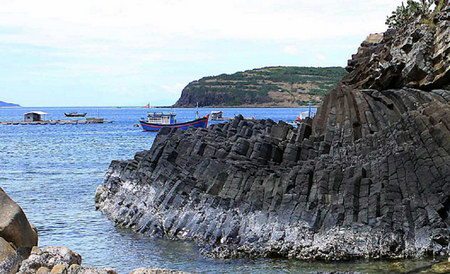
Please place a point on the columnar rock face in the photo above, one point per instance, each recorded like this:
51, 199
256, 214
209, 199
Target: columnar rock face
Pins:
368, 178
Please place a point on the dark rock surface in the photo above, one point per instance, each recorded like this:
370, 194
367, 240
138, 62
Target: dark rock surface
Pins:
369, 178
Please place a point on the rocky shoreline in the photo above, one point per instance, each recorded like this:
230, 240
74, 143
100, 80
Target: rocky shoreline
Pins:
19, 252
369, 177
16, 255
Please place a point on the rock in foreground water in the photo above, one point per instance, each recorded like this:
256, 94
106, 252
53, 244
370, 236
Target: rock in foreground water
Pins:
370, 178
58, 260
49, 257
14, 225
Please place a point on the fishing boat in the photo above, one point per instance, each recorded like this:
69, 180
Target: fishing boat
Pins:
158, 120
304, 115
301, 117
75, 114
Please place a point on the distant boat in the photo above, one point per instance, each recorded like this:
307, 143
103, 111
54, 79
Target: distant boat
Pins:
301, 117
147, 106
95, 120
75, 114
304, 115
216, 115
157, 121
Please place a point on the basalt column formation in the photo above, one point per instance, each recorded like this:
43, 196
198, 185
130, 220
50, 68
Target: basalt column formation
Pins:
369, 177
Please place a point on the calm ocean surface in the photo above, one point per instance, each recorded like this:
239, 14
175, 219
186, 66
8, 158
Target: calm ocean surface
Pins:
52, 171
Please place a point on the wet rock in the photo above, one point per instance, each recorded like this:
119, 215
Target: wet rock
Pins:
14, 225
60, 260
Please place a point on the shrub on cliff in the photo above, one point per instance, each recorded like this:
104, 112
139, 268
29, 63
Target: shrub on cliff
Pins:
406, 14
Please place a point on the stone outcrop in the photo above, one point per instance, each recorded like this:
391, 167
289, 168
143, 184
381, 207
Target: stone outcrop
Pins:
17, 235
49, 257
416, 56
368, 178
61, 260
58, 260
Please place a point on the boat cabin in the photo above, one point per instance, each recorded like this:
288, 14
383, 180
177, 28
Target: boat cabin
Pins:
34, 116
161, 118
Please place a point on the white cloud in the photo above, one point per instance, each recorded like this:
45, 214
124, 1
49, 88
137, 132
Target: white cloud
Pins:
320, 57
144, 46
88, 24
291, 50
173, 89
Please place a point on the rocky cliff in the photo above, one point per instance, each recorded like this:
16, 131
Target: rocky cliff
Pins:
263, 87
369, 177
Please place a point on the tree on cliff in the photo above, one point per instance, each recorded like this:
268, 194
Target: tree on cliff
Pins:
405, 14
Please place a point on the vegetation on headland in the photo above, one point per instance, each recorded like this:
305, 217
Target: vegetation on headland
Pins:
263, 87
406, 14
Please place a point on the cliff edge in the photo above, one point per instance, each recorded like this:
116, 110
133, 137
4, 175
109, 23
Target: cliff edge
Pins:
262, 87
369, 177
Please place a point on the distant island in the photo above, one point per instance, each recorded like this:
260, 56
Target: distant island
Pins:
262, 87
5, 104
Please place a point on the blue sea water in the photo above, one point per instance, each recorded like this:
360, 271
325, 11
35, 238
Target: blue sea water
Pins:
52, 171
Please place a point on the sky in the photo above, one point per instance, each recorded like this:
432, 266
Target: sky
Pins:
134, 52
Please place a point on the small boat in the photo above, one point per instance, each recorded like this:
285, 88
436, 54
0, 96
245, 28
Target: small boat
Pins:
74, 114
156, 121
304, 115
216, 115
95, 120
301, 117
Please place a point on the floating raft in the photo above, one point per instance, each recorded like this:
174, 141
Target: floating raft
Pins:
58, 122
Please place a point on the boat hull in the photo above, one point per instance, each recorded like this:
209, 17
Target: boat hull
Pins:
198, 123
75, 115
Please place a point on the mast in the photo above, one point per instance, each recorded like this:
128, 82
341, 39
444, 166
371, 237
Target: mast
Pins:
309, 109
196, 113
